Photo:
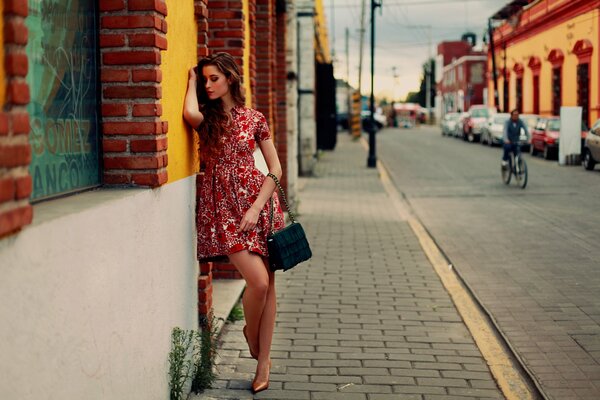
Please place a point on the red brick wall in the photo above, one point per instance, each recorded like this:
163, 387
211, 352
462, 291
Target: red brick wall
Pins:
201, 11
226, 28
223, 269
15, 151
264, 59
205, 277
205, 290
134, 141
280, 87
252, 44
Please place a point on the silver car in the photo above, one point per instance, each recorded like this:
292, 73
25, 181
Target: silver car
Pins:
493, 131
449, 123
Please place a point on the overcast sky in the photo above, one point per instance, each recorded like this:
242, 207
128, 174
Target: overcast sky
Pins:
402, 31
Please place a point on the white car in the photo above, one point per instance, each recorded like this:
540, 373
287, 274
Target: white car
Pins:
591, 148
474, 125
449, 123
493, 132
380, 119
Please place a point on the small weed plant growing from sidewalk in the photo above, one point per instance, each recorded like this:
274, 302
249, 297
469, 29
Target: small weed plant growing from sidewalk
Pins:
193, 354
205, 352
236, 314
180, 362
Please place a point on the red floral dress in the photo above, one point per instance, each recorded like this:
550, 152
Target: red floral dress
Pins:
230, 186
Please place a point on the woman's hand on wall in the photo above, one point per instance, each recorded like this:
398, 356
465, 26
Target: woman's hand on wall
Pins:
191, 110
193, 73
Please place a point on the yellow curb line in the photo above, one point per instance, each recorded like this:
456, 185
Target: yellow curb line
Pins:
501, 365
504, 370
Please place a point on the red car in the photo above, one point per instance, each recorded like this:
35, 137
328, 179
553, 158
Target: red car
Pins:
544, 137
476, 122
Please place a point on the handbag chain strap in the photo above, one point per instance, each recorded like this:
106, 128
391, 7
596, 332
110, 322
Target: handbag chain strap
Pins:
283, 197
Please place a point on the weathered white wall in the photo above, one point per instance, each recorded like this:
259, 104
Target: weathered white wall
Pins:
307, 128
91, 291
291, 63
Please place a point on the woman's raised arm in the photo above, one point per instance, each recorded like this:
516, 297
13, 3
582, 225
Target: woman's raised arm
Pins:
191, 110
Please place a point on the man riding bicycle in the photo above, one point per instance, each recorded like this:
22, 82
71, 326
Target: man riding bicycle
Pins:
512, 132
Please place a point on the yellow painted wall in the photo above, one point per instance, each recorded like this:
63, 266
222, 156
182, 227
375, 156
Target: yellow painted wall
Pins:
176, 61
2, 73
562, 36
246, 72
322, 39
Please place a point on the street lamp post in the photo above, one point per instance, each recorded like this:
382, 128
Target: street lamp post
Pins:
372, 159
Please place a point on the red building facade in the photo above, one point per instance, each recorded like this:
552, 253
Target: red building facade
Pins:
461, 80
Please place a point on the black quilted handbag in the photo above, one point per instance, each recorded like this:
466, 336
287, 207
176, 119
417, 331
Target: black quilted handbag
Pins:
287, 247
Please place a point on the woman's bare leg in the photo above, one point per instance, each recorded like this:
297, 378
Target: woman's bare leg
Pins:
253, 270
267, 321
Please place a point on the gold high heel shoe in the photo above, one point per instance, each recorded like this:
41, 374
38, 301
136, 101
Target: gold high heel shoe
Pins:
253, 355
259, 386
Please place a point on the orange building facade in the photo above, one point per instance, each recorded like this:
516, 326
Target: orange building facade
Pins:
547, 57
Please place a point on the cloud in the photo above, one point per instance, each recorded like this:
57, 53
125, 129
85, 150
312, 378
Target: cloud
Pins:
402, 37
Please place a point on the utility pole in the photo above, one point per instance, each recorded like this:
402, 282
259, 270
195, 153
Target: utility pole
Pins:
393, 112
395, 76
505, 81
428, 82
494, 70
372, 160
360, 51
348, 92
348, 55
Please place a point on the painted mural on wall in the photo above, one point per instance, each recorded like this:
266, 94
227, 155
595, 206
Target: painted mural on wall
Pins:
62, 53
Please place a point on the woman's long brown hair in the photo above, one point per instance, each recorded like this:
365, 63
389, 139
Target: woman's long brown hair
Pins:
216, 121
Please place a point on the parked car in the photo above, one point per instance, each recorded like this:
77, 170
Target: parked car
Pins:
591, 147
545, 137
449, 123
477, 120
531, 121
380, 119
493, 131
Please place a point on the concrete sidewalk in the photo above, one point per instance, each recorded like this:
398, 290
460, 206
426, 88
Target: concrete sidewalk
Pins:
367, 317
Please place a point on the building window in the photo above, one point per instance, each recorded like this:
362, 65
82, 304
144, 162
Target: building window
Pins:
556, 90
536, 94
519, 94
477, 77
62, 51
583, 91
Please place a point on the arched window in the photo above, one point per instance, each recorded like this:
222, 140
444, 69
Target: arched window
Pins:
519, 70
535, 65
583, 49
556, 58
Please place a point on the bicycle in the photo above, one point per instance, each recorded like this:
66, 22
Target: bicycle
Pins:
517, 167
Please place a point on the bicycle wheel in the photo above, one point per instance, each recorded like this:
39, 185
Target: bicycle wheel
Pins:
507, 172
521, 172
